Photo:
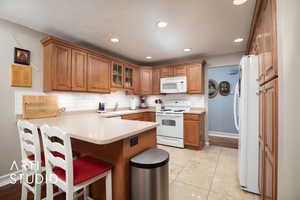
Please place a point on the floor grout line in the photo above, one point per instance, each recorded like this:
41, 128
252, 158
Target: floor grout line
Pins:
217, 163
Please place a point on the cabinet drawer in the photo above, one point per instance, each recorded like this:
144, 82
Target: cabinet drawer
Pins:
195, 117
136, 116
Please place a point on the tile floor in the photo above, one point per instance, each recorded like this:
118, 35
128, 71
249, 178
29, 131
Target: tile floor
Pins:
209, 174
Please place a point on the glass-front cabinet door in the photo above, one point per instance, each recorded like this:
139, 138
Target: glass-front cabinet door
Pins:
128, 77
117, 75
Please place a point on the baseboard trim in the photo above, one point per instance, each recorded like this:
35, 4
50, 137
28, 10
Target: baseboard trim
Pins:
223, 134
5, 179
224, 141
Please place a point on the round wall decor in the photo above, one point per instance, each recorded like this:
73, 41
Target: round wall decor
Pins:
224, 88
212, 88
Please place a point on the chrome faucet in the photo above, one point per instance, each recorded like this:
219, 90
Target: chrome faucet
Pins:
116, 106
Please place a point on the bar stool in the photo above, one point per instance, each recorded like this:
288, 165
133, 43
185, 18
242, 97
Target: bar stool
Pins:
71, 175
32, 164
33, 159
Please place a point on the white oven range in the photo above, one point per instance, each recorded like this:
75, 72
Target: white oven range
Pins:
171, 129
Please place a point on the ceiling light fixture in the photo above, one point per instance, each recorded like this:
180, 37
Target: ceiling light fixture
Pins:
148, 57
238, 40
114, 40
162, 24
187, 49
239, 2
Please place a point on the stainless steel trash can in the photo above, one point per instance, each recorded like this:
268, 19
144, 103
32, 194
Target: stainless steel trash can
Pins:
150, 175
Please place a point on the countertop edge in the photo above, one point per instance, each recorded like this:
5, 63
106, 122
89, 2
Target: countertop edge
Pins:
116, 139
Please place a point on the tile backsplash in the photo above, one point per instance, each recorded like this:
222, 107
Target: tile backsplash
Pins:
79, 101
196, 100
88, 101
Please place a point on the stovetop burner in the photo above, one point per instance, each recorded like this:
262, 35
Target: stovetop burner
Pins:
179, 110
165, 110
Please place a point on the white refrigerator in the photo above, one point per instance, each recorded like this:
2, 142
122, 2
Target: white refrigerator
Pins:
246, 117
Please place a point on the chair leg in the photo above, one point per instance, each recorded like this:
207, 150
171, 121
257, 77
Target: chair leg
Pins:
86, 193
49, 193
70, 195
37, 191
108, 186
24, 192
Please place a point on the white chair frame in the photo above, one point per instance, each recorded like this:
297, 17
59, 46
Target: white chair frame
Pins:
30, 145
66, 164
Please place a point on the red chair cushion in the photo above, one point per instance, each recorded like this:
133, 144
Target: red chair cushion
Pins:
84, 168
56, 154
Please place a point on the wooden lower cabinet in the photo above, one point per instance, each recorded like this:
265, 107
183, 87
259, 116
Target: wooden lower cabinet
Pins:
135, 116
149, 116
261, 166
194, 131
268, 144
146, 116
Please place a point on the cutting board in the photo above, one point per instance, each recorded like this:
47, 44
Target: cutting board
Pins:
40, 107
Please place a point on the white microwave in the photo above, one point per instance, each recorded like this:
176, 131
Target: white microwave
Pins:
173, 85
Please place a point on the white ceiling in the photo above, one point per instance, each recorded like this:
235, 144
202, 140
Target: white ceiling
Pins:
207, 26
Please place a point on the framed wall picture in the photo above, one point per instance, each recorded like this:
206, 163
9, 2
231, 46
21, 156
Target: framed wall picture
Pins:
213, 88
22, 56
224, 88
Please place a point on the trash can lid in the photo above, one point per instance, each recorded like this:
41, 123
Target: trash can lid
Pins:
151, 158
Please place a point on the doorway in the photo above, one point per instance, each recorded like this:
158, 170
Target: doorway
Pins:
222, 82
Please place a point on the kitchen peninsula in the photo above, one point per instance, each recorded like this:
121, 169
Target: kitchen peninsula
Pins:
112, 140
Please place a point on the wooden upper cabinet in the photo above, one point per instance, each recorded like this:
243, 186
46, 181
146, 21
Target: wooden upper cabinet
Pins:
260, 50
136, 80
166, 71
180, 70
62, 69
98, 74
146, 80
128, 76
270, 44
195, 79
79, 70
117, 74
156, 80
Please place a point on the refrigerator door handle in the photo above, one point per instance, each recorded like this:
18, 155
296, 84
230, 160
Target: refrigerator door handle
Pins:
235, 99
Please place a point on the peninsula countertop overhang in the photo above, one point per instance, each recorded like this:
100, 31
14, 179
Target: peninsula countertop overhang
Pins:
91, 127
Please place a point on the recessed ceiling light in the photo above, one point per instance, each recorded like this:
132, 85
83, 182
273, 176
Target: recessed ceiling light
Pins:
187, 49
148, 57
239, 2
239, 40
162, 24
114, 40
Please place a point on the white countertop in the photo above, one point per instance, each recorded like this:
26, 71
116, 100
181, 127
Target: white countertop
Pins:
108, 114
94, 128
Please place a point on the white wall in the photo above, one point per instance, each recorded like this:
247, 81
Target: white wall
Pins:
224, 60
289, 98
9, 144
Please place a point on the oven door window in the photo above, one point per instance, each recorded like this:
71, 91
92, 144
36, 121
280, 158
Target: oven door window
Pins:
168, 122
